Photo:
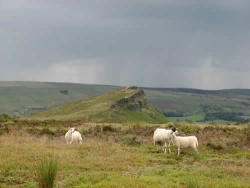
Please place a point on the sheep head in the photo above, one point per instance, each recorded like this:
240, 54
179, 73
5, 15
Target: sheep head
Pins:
72, 129
174, 130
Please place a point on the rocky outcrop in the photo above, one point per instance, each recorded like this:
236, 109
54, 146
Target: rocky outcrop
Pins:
136, 101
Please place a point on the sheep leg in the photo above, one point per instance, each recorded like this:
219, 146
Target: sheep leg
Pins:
178, 151
164, 147
156, 146
169, 147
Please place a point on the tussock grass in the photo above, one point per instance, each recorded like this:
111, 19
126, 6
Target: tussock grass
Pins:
46, 172
194, 184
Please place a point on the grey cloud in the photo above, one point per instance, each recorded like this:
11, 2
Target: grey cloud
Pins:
131, 39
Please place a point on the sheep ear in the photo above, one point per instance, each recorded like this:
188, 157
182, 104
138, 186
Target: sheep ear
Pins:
174, 129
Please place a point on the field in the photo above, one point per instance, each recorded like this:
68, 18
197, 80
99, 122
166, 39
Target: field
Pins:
193, 104
193, 118
122, 155
189, 102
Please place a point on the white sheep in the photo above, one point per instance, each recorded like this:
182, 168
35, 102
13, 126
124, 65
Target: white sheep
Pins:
72, 136
161, 137
184, 142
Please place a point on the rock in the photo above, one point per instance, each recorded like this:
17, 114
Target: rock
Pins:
136, 101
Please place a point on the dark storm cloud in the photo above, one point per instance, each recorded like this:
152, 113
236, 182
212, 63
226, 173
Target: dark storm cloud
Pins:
123, 42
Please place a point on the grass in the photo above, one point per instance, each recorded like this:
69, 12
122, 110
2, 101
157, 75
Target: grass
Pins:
122, 155
46, 172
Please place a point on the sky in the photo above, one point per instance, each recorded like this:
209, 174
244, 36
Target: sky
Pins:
147, 43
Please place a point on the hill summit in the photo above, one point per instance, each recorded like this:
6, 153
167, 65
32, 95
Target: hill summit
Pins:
126, 104
134, 102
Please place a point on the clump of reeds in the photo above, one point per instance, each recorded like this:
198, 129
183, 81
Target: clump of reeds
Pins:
46, 172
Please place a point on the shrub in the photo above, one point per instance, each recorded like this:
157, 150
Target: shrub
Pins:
130, 140
108, 128
5, 117
46, 172
33, 131
187, 129
215, 146
4, 129
170, 124
47, 132
98, 128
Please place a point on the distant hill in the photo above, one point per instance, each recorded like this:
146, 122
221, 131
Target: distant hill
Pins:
186, 104
21, 99
127, 104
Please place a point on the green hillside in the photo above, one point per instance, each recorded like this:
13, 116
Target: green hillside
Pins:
23, 98
183, 104
127, 104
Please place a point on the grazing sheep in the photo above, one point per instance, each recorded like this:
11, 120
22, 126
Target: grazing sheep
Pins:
184, 142
161, 137
73, 135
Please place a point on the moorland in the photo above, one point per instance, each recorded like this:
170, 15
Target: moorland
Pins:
123, 155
